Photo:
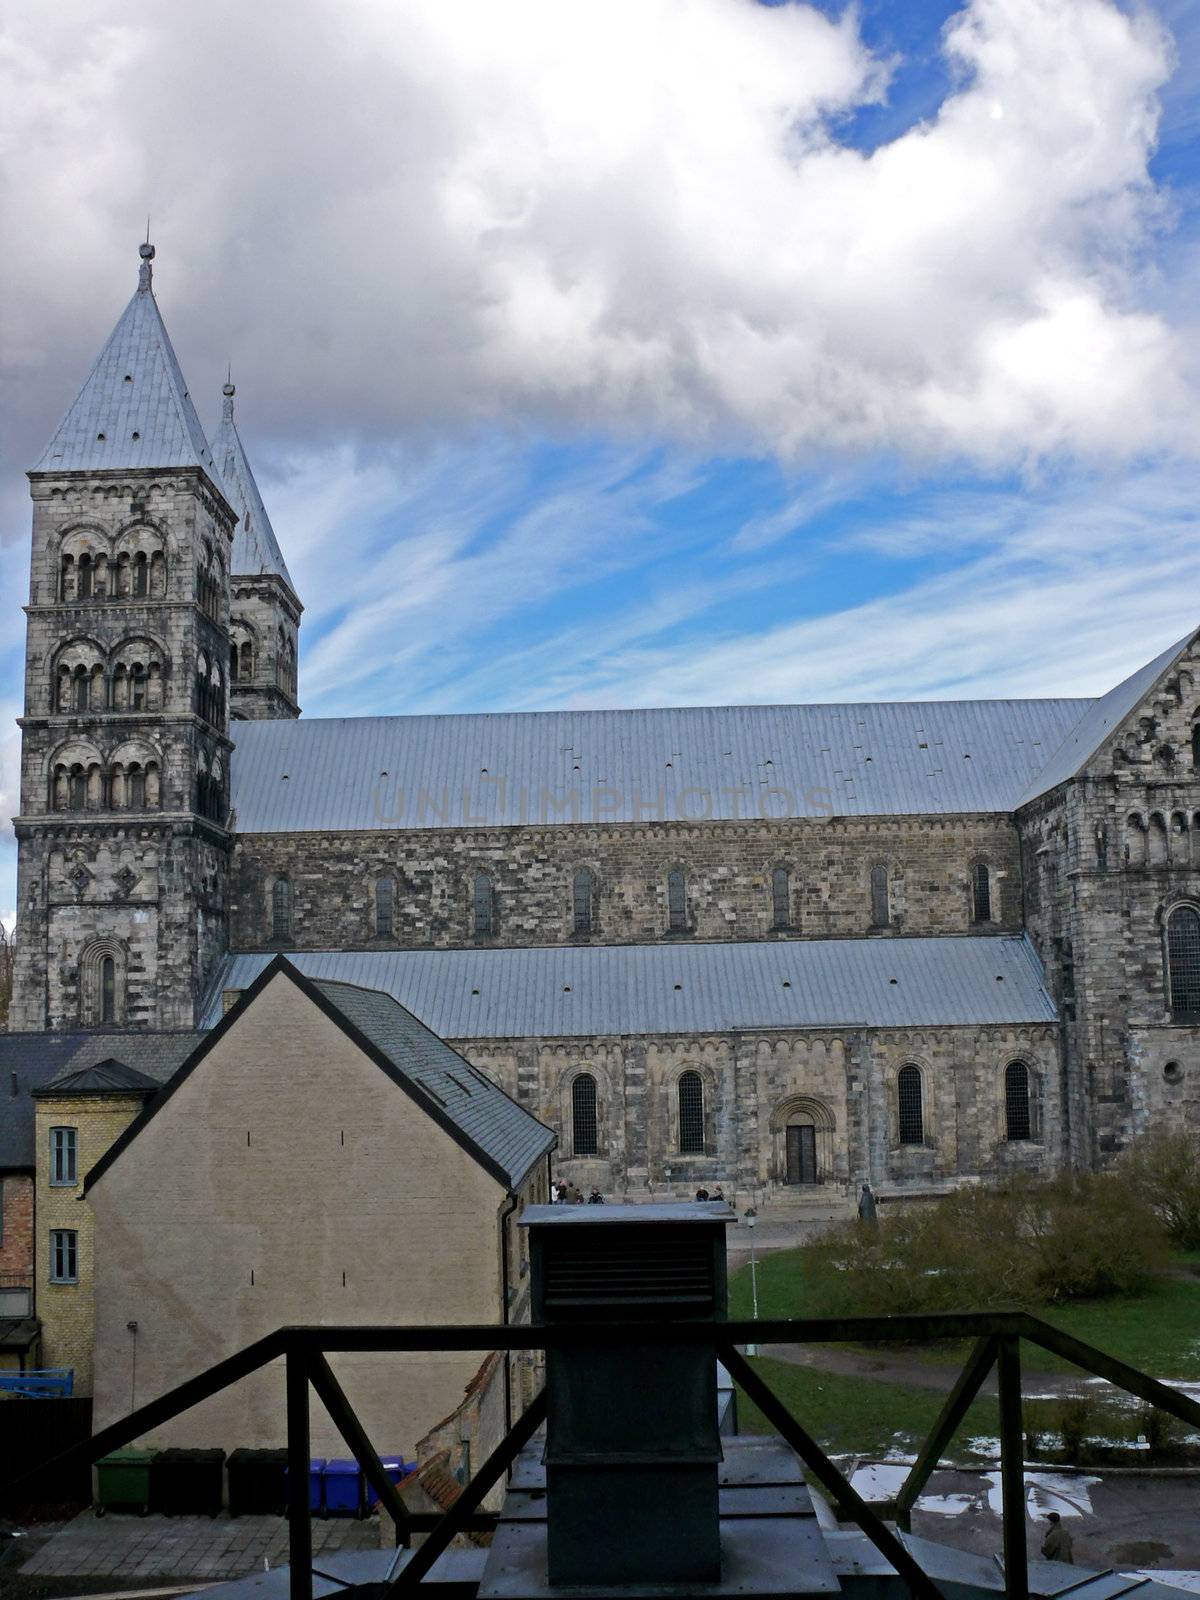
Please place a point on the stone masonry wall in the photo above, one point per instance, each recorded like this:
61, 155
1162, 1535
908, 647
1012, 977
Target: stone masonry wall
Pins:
841, 1083
1106, 858
146, 884
728, 868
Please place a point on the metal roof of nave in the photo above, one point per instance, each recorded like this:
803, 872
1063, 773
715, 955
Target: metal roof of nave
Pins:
255, 548
134, 410
684, 764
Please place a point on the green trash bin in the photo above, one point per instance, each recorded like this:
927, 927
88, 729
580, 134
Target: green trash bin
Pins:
123, 1481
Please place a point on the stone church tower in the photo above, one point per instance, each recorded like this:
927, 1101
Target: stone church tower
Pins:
265, 609
123, 834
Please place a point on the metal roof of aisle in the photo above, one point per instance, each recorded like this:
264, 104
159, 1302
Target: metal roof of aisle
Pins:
566, 992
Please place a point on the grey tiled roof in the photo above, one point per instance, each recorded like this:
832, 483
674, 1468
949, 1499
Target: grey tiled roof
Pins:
1099, 720
682, 988
104, 1077
32, 1060
505, 1133
134, 409
255, 549
689, 763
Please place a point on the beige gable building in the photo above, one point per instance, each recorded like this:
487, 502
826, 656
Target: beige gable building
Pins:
322, 1157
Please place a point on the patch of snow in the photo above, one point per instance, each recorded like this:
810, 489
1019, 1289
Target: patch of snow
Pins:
949, 1505
1047, 1491
879, 1480
1173, 1580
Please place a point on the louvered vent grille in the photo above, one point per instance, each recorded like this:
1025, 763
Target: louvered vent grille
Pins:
624, 1270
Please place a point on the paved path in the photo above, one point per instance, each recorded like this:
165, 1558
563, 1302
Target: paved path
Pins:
1127, 1522
913, 1374
177, 1548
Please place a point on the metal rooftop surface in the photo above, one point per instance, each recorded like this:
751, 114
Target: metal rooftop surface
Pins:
564, 1216
134, 409
255, 548
683, 764
565, 992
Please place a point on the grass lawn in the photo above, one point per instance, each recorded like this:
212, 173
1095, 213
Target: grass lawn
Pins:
863, 1417
853, 1416
1157, 1330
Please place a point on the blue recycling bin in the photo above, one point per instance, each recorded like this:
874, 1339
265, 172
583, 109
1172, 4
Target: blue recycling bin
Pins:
316, 1483
343, 1488
396, 1468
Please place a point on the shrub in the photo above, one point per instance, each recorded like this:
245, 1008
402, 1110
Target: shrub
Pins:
1075, 1425
1018, 1244
1163, 1170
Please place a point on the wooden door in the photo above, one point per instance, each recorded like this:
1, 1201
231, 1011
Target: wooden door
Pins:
801, 1154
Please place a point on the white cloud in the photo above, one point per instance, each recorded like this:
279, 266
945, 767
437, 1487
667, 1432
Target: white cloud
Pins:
633, 215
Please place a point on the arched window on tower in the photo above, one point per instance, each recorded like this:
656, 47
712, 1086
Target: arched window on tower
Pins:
67, 580
881, 914
911, 1112
484, 906
691, 1114
281, 911
676, 900
78, 787
981, 894
84, 587
141, 575
584, 1127
1018, 1121
385, 907
81, 689
581, 901
1183, 963
781, 897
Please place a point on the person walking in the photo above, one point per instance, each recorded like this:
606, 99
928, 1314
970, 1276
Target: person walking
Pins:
1056, 1546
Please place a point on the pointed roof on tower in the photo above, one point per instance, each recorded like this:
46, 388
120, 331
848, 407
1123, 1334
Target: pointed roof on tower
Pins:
255, 548
134, 409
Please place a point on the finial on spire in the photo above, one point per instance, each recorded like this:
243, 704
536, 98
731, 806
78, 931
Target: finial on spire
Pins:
228, 390
146, 251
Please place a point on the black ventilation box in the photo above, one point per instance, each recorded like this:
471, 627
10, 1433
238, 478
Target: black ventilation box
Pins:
632, 1431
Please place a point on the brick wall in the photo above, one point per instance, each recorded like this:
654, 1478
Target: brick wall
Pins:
67, 1310
289, 1180
16, 1237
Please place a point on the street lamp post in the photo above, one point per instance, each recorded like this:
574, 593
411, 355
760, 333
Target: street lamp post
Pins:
751, 1219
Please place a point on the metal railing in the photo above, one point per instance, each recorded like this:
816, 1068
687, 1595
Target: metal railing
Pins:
997, 1339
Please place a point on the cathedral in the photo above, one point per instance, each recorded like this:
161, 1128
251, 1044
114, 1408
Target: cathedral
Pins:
784, 949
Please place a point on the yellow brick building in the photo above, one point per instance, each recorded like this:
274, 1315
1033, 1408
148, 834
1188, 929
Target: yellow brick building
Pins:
78, 1116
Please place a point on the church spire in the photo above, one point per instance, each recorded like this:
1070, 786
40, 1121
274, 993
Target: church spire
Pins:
256, 551
134, 409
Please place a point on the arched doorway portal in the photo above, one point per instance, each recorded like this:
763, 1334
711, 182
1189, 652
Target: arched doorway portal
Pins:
802, 1140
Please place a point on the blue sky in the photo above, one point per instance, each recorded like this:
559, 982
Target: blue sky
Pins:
645, 353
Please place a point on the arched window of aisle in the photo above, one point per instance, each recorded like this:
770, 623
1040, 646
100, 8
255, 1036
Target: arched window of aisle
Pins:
1018, 1119
585, 1134
691, 1114
910, 1109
